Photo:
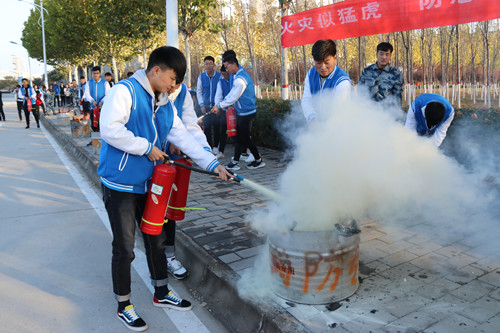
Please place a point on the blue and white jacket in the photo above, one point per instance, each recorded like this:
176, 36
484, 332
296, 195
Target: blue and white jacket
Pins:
184, 107
242, 95
338, 82
415, 118
31, 94
96, 91
131, 124
206, 88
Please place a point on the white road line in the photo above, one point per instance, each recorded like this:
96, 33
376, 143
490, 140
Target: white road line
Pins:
185, 321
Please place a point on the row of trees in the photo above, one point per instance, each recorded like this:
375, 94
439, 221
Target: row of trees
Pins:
113, 32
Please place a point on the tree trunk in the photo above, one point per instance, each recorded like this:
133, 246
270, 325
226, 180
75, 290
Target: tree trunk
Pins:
284, 61
187, 78
115, 70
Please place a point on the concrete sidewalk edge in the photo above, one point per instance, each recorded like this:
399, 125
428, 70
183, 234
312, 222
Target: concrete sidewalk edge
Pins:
209, 278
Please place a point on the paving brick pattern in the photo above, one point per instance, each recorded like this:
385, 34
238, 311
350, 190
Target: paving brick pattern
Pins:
411, 279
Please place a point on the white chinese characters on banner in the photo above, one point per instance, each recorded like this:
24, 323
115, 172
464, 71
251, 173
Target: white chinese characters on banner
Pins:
347, 15
370, 10
305, 23
460, 1
428, 4
325, 20
287, 28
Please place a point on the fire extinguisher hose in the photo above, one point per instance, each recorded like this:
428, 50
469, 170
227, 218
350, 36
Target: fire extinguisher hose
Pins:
236, 178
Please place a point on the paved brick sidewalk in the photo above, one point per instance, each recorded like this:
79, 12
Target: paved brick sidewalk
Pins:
412, 280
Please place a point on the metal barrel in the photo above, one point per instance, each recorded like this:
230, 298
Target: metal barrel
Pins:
314, 267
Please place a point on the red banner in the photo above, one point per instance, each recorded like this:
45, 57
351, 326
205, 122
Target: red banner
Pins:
354, 18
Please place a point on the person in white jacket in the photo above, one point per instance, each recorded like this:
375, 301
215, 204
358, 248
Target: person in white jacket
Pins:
136, 119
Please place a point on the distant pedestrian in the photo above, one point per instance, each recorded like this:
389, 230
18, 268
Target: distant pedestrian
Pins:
48, 97
2, 114
85, 105
324, 76
39, 101
381, 79
430, 115
20, 102
95, 90
223, 89
75, 100
205, 92
29, 94
109, 78
57, 94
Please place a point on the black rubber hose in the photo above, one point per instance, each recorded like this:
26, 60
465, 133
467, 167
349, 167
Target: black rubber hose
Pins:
201, 170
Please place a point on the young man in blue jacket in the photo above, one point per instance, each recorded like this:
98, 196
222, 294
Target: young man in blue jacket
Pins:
136, 119
430, 115
242, 97
205, 92
57, 94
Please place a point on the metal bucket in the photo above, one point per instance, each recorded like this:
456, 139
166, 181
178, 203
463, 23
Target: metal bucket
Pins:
314, 267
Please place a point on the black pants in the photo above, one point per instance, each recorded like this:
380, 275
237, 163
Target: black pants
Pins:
125, 211
20, 109
56, 99
38, 109
34, 110
2, 115
211, 125
169, 232
222, 130
243, 128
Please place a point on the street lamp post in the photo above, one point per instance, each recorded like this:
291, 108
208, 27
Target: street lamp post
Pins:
41, 9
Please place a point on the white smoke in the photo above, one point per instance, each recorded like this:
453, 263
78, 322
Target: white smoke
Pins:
358, 160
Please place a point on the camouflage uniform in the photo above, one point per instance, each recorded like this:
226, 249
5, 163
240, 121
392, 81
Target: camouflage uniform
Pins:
49, 101
75, 98
382, 83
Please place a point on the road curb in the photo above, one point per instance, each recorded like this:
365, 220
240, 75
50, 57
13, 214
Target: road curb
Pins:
211, 279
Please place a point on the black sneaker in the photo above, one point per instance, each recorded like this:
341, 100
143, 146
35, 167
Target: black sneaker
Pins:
233, 166
256, 164
131, 319
172, 301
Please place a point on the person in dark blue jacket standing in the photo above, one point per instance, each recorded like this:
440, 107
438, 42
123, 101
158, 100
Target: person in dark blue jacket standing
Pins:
57, 94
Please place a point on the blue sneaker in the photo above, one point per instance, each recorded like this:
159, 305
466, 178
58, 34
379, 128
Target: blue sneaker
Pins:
172, 301
131, 319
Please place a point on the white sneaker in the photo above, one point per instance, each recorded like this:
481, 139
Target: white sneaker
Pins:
215, 150
250, 158
219, 155
175, 268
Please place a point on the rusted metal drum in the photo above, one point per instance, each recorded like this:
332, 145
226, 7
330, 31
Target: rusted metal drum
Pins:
314, 267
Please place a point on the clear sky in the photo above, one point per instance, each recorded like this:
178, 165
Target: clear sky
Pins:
13, 14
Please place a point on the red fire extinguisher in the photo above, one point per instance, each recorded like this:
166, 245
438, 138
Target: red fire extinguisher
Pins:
30, 106
95, 116
158, 195
178, 199
231, 122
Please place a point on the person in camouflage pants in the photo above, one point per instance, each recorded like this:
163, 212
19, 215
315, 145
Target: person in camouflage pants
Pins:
48, 97
382, 79
75, 99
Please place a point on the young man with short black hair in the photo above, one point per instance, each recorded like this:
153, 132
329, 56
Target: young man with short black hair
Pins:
95, 91
109, 78
430, 115
136, 119
205, 92
29, 93
325, 75
381, 78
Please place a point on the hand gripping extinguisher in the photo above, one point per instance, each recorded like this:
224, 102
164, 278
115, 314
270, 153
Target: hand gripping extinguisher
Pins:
158, 195
95, 118
177, 203
231, 122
